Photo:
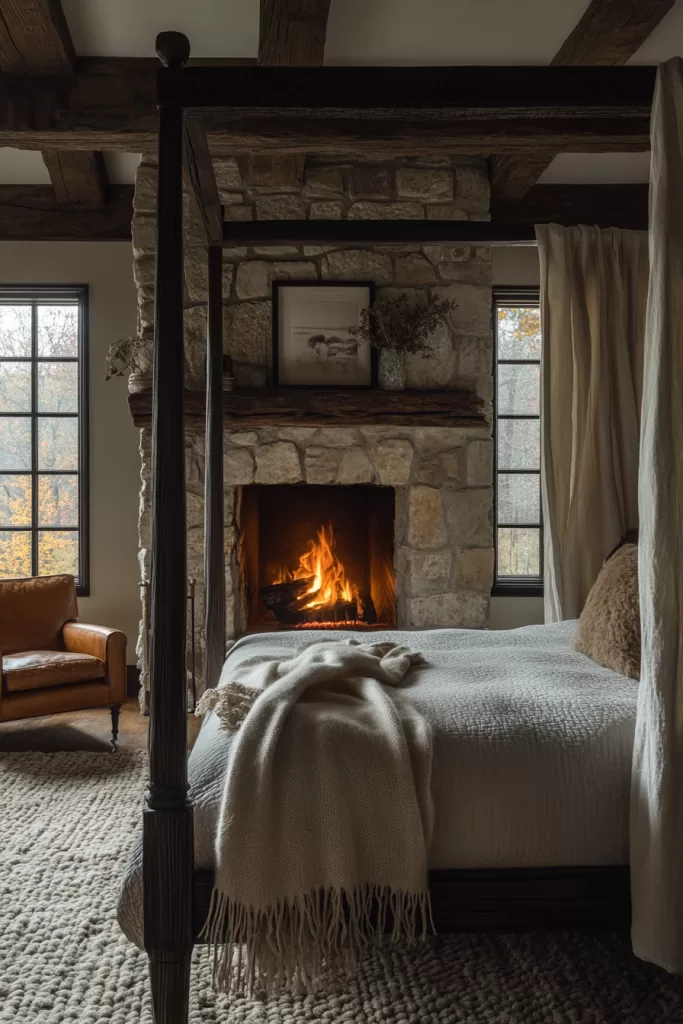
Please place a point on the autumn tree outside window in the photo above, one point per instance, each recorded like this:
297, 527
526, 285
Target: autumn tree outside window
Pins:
517, 406
43, 432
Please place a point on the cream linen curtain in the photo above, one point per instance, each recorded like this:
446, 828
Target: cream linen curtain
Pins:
593, 298
657, 785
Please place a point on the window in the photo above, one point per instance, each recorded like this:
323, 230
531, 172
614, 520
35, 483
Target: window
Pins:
43, 432
517, 403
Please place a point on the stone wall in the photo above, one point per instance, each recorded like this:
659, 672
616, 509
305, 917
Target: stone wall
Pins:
443, 477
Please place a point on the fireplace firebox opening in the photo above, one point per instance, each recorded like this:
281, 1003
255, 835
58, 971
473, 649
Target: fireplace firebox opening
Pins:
317, 557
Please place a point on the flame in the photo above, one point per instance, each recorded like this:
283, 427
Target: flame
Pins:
329, 578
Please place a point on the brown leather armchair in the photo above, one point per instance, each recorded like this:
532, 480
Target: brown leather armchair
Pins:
49, 661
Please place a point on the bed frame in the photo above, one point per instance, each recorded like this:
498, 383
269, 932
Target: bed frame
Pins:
240, 102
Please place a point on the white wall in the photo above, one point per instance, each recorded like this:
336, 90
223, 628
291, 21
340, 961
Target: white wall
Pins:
107, 267
515, 265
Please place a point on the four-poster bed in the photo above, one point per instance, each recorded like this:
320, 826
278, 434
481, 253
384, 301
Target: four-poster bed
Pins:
175, 896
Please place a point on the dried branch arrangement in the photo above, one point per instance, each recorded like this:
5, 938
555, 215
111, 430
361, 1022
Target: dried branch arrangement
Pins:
402, 324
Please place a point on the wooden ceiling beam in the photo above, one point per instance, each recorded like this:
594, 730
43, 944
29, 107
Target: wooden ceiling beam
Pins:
607, 206
35, 40
608, 33
79, 178
31, 213
292, 32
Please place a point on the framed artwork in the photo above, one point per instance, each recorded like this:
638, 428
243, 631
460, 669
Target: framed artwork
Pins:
312, 346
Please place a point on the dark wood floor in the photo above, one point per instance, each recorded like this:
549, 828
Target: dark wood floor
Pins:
82, 730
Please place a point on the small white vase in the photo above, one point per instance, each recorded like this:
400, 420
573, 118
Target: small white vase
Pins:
392, 370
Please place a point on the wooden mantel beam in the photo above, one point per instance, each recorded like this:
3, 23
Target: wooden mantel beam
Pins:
608, 33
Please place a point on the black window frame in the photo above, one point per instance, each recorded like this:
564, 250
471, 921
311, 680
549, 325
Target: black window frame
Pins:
35, 295
513, 586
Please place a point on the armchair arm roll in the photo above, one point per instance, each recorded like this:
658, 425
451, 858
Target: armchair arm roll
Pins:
109, 645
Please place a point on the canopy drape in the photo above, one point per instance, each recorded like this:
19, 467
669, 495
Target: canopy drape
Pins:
657, 783
593, 299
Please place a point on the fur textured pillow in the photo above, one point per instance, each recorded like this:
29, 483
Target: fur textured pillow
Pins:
609, 628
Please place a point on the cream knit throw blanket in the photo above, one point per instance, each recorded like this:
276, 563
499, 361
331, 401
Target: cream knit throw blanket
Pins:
326, 814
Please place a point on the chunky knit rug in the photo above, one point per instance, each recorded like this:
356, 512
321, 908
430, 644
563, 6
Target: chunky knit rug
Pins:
66, 823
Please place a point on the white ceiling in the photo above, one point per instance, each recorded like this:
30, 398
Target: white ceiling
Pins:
359, 32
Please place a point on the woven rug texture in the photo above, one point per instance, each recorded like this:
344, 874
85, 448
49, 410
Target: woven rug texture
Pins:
66, 824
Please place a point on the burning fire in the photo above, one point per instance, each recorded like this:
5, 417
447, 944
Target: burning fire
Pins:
329, 583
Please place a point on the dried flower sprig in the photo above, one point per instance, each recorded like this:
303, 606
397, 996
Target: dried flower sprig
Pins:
402, 324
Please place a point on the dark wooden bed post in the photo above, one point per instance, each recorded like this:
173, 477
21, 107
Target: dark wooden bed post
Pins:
168, 859
214, 549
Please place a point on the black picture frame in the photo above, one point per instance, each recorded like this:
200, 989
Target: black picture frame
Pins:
281, 286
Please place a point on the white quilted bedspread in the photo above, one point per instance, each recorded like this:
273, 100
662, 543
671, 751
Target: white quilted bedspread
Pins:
532, 751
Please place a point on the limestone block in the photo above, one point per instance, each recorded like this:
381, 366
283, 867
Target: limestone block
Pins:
238, 213
440, 469
252, 280
317, 250
472, 188
355, 467
143, 271
467, 273
470, 515
235, 252
324, 181
430, 565
474, 569
432, 184
145, 195
445, 211
471, 313
480, 464
194, 504
457, 611
238, 466
414, 269
269, 251
280, 208
475, 356
227, 173
425, 518
277, 463
243, 438
386, 211
357, 265
394, 461
301, 435
370, 182
447, 253
144, 234
326, 211
321, 464
430, 440
247, 332
435, 369
336, 437
145, 563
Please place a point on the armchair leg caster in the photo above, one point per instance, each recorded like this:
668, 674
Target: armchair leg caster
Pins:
115, 710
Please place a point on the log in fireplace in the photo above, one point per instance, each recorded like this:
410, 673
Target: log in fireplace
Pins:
314, 556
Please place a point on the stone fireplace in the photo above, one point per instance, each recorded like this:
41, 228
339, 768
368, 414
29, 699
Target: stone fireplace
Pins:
439, 541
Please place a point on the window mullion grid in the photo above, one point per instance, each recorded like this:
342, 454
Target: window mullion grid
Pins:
34, 439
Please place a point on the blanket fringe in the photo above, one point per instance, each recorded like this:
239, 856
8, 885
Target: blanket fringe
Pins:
287, 947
